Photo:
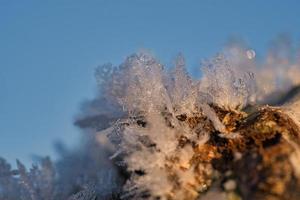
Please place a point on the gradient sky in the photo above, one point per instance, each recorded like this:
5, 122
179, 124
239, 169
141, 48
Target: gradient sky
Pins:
49, 50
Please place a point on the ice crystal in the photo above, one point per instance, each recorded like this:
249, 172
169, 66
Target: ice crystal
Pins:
155, 100
36, 184
226, 85
149, 130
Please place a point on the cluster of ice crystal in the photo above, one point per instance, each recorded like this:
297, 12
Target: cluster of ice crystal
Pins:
156, 100
275, 75
36, 184
227, 85
147, 123
84, 174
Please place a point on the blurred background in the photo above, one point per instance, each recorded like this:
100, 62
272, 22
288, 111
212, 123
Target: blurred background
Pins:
50, 49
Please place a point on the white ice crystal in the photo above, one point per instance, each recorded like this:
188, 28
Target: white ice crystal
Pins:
153, 98
226, 85
134, 125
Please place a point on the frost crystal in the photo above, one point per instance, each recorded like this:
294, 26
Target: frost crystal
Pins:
158, 102
154, 132
226, 85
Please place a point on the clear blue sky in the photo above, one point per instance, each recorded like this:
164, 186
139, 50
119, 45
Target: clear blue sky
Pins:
49, 50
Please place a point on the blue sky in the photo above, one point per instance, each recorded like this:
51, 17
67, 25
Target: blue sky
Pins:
49, 50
